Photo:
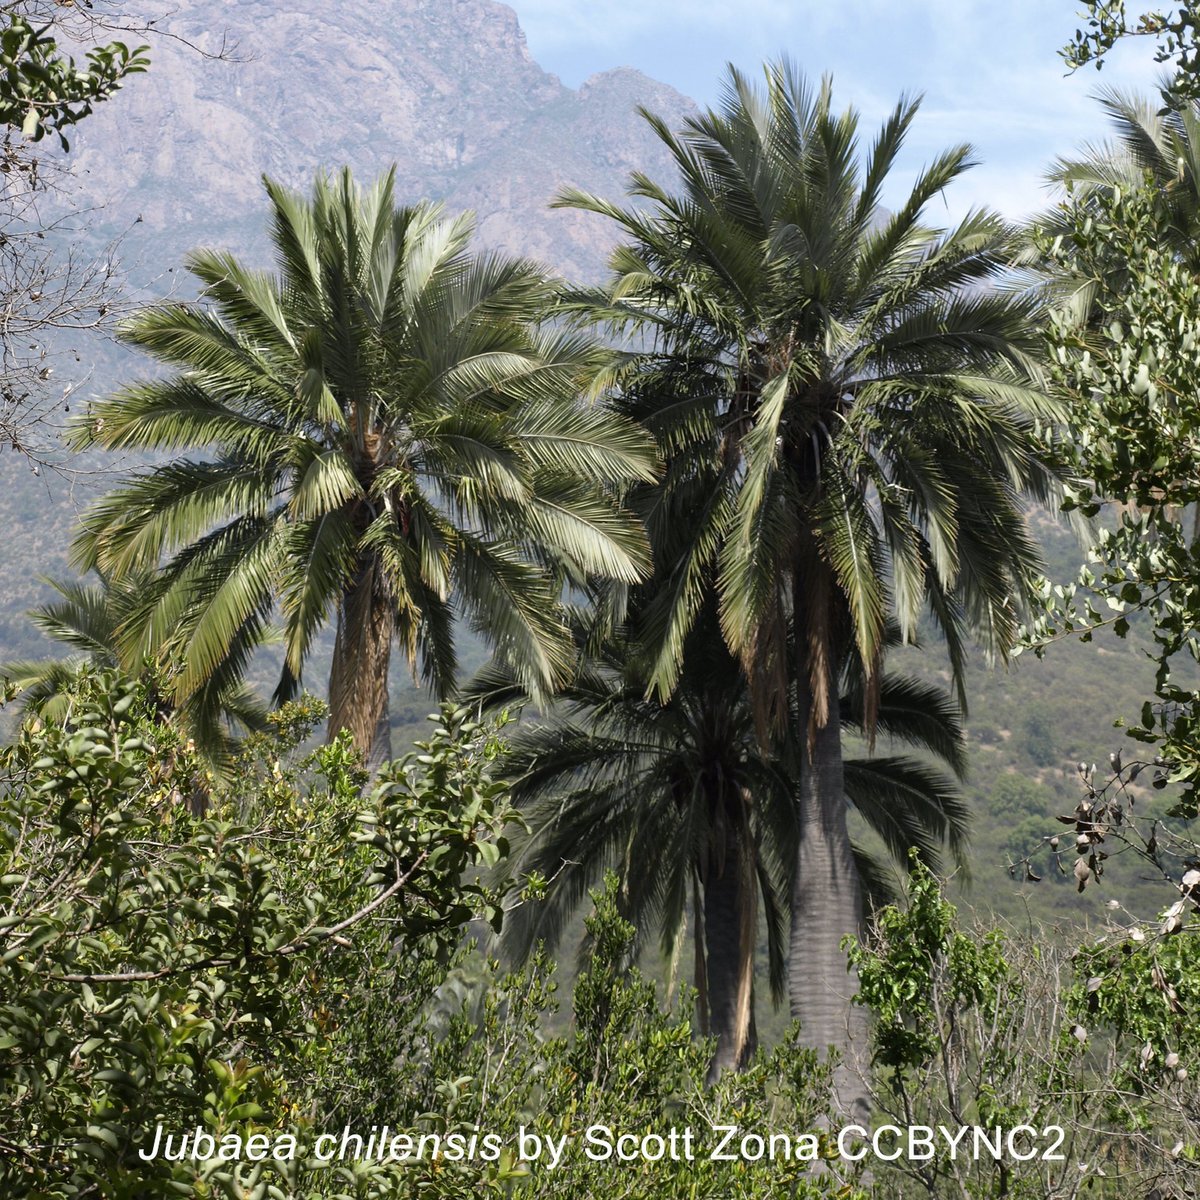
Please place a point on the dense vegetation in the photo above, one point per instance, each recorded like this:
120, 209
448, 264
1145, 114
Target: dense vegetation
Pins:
736, 530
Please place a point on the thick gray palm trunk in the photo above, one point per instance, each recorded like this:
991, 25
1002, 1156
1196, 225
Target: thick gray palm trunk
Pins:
730, 928
826, 906
358, 677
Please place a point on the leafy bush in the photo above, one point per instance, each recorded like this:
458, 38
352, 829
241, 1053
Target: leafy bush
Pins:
163, 967
1000, 1030
480, 1061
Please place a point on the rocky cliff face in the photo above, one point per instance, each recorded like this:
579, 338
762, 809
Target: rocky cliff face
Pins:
445, 89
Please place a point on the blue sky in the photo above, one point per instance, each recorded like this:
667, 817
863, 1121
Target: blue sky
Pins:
989, 72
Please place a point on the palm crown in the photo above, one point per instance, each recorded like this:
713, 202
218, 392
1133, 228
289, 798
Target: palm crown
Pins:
87, 617
846, 399
386, 432
682, 800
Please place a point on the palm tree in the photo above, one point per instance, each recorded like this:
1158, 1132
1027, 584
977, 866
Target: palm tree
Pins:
680, 800
847, 403
382, 428
87, 618
1152, 143
1154, 147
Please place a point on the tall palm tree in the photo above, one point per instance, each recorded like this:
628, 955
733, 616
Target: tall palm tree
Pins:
847, 402
381, 428
87, 617
679, 798
1151, 142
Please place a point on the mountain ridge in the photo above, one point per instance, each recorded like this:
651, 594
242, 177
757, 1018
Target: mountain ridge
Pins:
445, 90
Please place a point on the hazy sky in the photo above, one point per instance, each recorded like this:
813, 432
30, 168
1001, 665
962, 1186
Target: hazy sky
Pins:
989, 71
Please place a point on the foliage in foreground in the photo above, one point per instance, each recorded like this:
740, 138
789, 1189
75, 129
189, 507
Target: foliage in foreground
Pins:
1175, 30
44, 90
1131, 377
156, 966
481, 1061
284, 965
990, 1028
290, 964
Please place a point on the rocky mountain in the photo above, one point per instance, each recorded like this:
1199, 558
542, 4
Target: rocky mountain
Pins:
444, 89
